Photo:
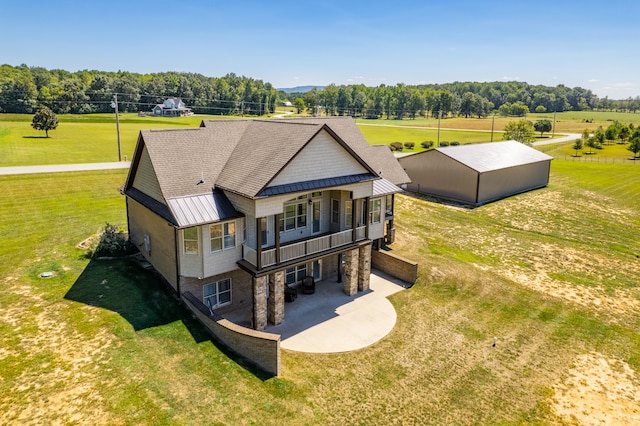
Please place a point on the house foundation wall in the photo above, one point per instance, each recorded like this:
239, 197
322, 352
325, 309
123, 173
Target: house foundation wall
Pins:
260, 348
394, 265
241, 297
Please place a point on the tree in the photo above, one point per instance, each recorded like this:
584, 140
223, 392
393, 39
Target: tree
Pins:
299, 104
634, 143
577, 146
44, 119
521, 131
624, 134
634, 146
599, 136
543, 126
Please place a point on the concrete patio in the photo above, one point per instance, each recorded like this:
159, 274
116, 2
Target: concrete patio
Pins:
329, 321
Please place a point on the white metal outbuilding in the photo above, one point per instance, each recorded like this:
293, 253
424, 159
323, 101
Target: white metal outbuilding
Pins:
479, 173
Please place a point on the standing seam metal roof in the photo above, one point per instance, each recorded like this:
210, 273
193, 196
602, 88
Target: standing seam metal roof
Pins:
485, 157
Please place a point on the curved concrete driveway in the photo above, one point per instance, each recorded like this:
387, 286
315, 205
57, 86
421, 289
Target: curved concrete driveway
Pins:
329, 321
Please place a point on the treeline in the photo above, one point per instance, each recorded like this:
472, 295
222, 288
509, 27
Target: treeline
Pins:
24, 88
453, 99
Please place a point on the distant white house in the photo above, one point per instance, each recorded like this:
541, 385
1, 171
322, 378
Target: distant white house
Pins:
287, 104
172, 107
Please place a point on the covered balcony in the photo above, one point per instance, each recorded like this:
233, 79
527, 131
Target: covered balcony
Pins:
270, 256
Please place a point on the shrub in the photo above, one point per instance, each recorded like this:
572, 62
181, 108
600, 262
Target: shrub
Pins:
409, 145
396, 146
445, 143
455, 143
427, 144
110, 242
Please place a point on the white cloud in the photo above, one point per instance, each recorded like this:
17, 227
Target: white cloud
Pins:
505, 78
593, 80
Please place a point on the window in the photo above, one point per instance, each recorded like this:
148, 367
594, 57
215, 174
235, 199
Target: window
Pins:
388, 204
223, 236
264, 231
190, 238
374, 210
335, 211
316, 194
217, 294
348, 213
294, 216
295, 274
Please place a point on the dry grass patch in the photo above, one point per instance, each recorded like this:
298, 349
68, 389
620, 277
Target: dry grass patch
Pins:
598, 390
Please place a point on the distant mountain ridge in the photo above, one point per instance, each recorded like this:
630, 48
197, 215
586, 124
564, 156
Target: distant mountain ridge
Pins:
300, 89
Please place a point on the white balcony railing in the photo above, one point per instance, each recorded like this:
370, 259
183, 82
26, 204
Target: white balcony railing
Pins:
304, 248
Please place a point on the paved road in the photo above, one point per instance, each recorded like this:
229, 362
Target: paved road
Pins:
55, 168
566, 138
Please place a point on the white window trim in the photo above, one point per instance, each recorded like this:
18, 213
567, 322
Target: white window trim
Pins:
222, 238
334, 214
184, 242
283, 219
372, 212
296, 272
348, 215
216, 294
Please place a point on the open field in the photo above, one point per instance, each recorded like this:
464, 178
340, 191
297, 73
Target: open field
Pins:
92, 138
552, 273
566, 122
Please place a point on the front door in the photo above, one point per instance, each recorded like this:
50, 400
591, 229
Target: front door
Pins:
317, 274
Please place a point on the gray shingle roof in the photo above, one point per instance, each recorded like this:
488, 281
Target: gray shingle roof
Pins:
242, 156
379, 157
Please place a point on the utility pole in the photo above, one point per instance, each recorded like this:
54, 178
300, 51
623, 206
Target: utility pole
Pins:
493, 119
114, 105
439, 115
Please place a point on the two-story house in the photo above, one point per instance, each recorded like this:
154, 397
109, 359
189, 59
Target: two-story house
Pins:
171, 107
235, 210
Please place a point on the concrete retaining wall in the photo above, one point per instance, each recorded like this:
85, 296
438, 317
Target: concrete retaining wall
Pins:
260, 348
396, 266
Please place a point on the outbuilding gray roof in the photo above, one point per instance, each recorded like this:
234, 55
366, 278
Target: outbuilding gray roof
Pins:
485, 157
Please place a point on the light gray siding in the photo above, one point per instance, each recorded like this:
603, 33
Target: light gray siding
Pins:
502, 183
436, 173
161, 251
145, 179
323, 157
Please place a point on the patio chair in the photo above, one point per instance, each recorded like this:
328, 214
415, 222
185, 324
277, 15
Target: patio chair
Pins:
290, 293
308, 285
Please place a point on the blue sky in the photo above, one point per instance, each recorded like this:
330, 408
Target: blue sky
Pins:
591, 44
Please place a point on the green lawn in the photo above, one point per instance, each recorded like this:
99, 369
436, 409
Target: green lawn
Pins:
387, 132
90, 138
102, 343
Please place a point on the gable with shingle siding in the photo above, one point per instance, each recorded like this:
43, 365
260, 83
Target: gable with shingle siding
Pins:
322, 157
145, 179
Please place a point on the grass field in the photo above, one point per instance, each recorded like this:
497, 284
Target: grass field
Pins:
552, 273
90, 138
565, 122
93, 138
